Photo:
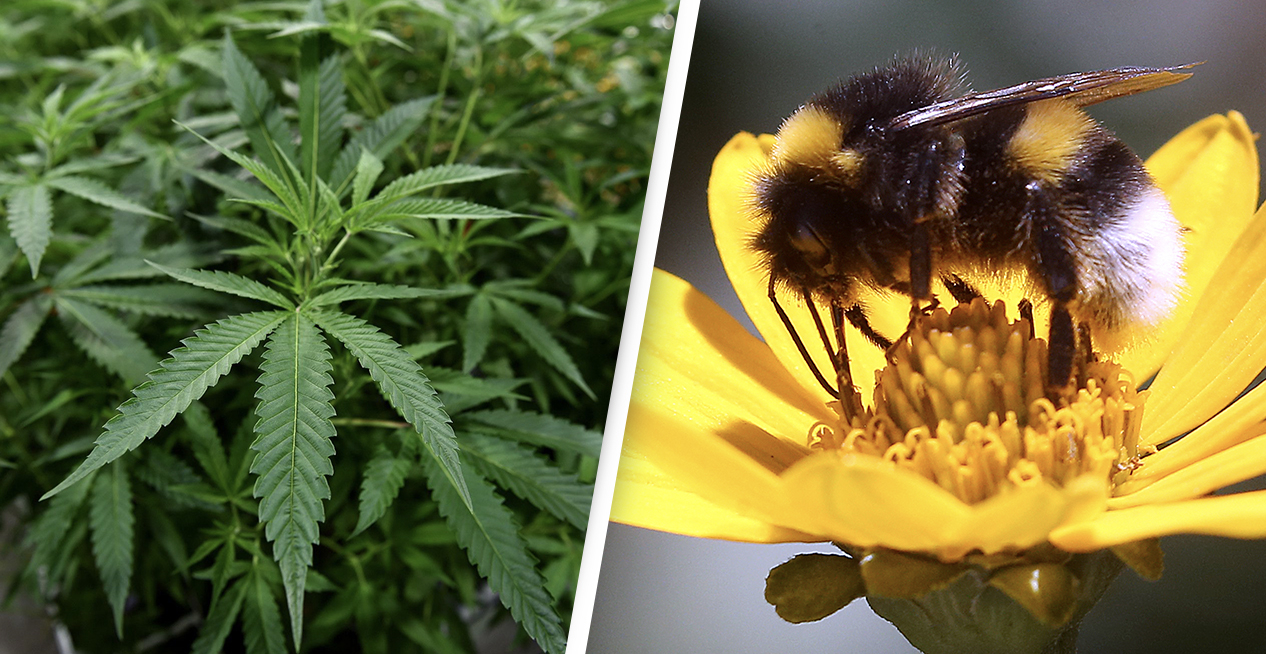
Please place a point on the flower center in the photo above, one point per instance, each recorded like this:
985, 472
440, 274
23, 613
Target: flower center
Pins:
963, 403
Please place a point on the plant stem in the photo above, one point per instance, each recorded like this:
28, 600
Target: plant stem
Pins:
329, 260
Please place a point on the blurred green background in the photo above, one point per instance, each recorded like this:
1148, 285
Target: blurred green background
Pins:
752, 64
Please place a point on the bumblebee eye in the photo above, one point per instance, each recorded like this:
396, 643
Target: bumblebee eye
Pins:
810, 246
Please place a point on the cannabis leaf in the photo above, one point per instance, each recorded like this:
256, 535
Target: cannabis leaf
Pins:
294, 448
110, 517
179, 380
487, 531
404, 385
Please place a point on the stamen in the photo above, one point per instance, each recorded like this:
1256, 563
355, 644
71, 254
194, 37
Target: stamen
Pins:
963, 403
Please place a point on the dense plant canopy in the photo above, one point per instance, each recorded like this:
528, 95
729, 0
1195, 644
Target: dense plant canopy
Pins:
385, 246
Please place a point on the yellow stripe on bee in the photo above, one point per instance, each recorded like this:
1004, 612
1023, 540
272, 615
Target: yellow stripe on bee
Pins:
810, 137
1052, 133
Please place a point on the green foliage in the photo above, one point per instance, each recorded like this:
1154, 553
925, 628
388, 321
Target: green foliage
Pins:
385, 247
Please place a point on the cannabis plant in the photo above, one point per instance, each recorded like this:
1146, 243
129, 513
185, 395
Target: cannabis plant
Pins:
300, 220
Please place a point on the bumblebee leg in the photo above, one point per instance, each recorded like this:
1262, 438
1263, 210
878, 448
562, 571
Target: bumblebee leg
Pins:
1060, 276
857, 317
850, 399
917, 311
920, 272
1026, 312
1085, 353
962, 291
1061, 349
920, 263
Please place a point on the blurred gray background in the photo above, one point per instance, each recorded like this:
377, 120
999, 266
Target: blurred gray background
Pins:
753, 63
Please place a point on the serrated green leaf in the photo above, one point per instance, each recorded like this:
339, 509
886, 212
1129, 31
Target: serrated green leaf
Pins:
368, 168
98, 193
427, 178
221, 572
8, 252
220, 620
49, 529
432, 638
166, 535
322, 105
177, 255
175, 480
112, 523
540, 429
531, 477
257, 109
205, 442
487, 532
179, 380
20, 329
232, 186
384, 477
512, 289
401, 381
89, 164
586, 237
461, 391
106, 339
388, 229
240, 227
83, 262
387, 37
282, 189
261, 621
434, 208
172, 300
291, 28
294, 446
31, 222
330, 210
275, 208
380, 137
227, 282
537, 336
380, 292
478, 331
425, 348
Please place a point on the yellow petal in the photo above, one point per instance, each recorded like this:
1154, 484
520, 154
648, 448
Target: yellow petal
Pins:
733, 226
1241, 462
714, 414
1223, 347
698, 364
868, 502
1024, 517
1210, 174
647, 497
1235, 516
687, 458
1236, 424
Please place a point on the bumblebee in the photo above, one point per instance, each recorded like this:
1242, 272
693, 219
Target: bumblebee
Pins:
898, 177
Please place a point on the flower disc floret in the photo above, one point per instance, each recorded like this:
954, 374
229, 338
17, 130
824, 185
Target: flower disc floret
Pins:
963, 403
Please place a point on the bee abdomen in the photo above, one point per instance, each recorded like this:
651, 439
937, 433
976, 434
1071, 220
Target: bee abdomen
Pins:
1130, 268
1123, 240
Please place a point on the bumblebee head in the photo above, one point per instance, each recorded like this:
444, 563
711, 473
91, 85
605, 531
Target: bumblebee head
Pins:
842, 186
809, 201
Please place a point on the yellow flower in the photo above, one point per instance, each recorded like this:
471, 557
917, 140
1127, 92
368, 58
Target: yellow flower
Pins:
720, 434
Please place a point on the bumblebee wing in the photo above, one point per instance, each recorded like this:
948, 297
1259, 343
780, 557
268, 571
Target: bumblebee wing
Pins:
1081, 89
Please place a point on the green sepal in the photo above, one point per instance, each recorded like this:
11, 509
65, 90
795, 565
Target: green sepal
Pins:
810, 587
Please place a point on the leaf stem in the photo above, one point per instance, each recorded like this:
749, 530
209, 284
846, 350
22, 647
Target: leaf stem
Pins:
329, 260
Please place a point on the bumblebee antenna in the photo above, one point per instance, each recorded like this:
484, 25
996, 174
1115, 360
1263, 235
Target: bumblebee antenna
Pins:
795, 337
